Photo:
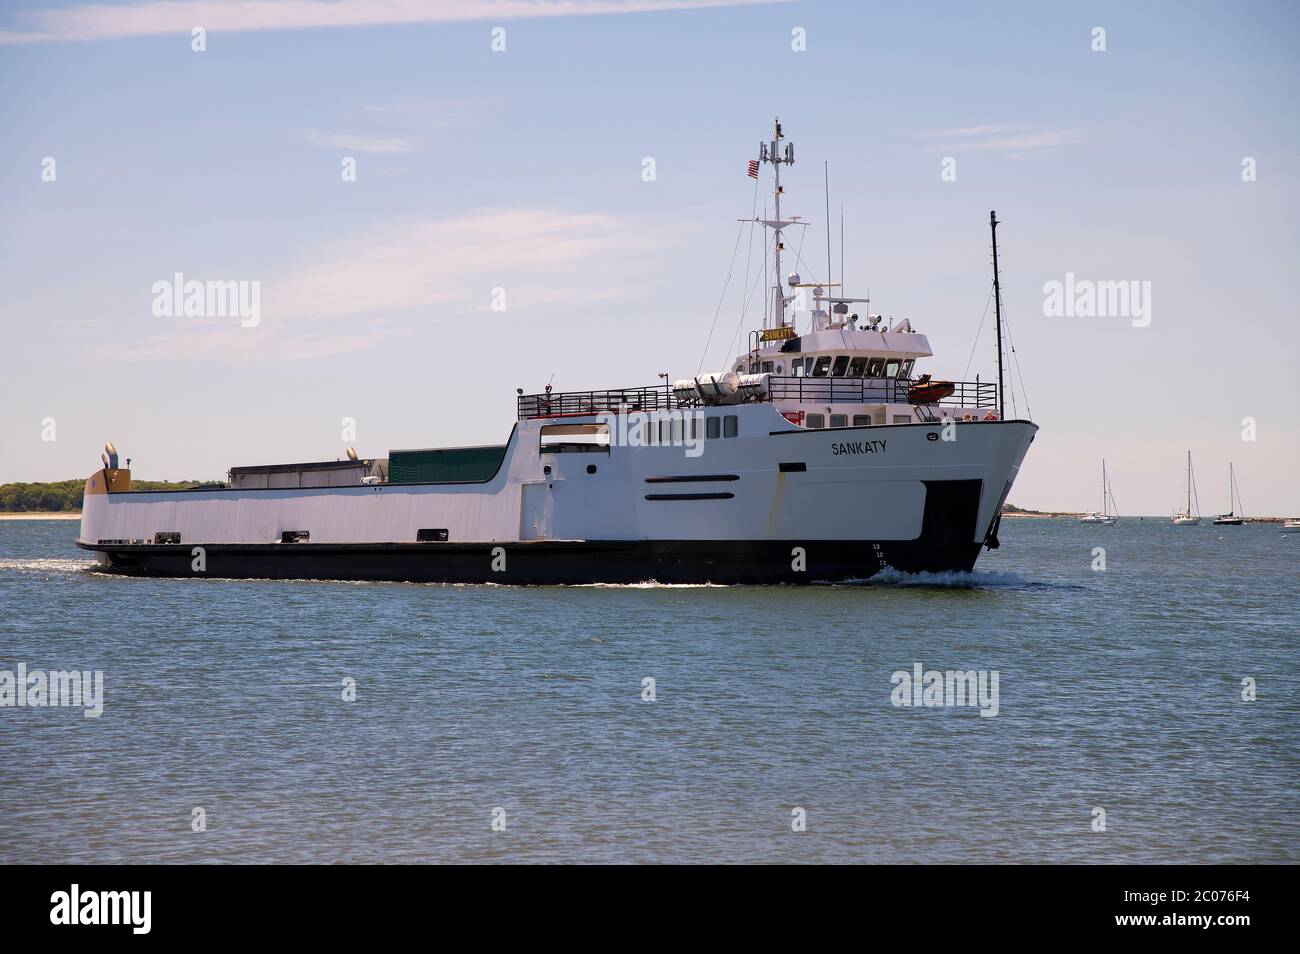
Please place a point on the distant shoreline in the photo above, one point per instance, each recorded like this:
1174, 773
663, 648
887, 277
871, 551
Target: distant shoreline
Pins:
38, 515
1207, 520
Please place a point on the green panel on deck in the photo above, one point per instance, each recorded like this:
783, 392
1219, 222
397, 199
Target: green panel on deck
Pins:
444, 465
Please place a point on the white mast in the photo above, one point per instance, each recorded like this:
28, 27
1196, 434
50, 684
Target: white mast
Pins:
771, 152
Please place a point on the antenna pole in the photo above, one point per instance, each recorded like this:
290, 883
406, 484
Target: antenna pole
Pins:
997, 298
843, 292
826, 174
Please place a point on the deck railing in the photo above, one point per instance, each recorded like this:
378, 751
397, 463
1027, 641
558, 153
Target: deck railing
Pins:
807, 390
573, 403
810, 390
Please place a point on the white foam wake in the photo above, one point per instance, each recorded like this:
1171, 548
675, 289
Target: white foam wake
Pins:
46, 565
952, 578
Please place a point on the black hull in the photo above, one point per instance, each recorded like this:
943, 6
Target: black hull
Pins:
547, 563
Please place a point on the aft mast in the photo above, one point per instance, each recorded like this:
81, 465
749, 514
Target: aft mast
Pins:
997, 311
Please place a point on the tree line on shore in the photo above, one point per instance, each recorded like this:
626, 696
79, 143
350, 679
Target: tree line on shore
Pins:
64, 496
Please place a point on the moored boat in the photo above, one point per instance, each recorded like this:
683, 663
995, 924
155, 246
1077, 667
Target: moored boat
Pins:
1105, 515
1186, 517
1235, 516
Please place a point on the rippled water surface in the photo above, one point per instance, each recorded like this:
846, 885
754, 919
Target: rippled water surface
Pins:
1119, 690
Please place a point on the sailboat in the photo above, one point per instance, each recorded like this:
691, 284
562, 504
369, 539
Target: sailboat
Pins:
1236, 512
1187, 517
1105, 516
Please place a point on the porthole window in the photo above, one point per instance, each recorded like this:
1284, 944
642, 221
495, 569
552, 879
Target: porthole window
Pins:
591, 468
730, 426
839, 420
713, 426
815, 420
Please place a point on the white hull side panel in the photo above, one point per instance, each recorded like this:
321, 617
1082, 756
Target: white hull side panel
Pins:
859, 484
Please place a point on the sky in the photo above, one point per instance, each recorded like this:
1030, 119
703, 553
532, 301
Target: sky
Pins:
517, 177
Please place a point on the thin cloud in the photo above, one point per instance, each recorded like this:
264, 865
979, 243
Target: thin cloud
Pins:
1026, 142
159, 17
967, 131
1005, 139
404, 277
353, 143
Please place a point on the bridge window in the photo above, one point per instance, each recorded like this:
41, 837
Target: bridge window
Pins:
906, 370
841, 365
856, 367
575, 438
822, 366
891, 368
876, 368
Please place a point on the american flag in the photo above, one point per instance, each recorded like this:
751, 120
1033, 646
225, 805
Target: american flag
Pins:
753, 168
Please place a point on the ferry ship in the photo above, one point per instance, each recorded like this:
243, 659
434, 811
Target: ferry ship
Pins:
816, 455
